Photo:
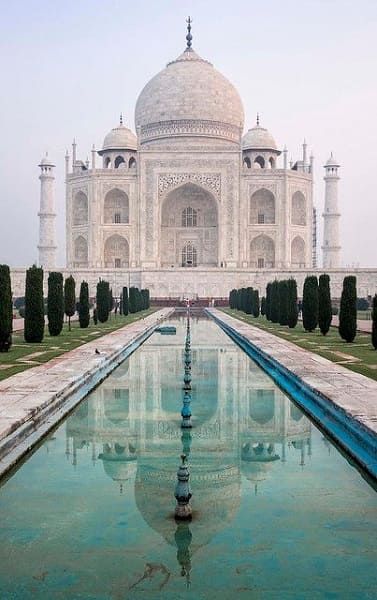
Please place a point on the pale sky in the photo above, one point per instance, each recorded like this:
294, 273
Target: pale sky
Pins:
69, 68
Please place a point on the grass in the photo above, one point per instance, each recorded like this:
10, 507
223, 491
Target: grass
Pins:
357, 356
23, 356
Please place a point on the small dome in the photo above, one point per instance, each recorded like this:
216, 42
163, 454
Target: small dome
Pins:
46, 162
331, 162
258, 138
119, 138
189, 98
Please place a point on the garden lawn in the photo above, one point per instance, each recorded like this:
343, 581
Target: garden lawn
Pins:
358, 355
23, 355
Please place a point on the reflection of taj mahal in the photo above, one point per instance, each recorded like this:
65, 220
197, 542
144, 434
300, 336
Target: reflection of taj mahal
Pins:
243, 426
190, 204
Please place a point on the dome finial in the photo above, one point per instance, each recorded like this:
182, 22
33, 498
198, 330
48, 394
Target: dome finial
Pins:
121, 119
189, 36
258, 119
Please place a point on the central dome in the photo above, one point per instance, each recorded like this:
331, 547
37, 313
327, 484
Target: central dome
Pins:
189, 98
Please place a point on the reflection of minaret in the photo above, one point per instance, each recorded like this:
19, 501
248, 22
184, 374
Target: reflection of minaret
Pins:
331, 217
47, 240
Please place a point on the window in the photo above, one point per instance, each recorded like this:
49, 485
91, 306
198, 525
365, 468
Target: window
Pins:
260, 218
189, 256
189, 217
117, 263
117, 218
260, 263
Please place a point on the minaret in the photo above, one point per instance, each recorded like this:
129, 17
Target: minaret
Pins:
47, 239
331, 247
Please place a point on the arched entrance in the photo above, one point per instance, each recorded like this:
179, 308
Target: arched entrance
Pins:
189, 228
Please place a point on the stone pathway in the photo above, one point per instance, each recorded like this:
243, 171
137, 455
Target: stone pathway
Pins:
32, 401
349, 394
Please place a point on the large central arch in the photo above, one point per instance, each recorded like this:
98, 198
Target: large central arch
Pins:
189, 228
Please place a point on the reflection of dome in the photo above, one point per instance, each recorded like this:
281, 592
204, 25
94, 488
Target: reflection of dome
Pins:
258, 138
215, 501
119, 462
119, 138
189, 98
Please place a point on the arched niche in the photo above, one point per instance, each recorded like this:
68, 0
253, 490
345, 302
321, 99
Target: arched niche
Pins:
295, 413
298, 252
132, 163
262, 252
189, 215
119, 161
272, 162
259, 162
116, 252
247, 162
107, 162
81, 251
80, 209
116, 405
116, 207
298, 209
262, 405
262, 207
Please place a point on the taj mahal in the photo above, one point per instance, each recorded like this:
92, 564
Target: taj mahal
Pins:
189, 204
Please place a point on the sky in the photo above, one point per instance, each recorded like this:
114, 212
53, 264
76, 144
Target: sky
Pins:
69, 69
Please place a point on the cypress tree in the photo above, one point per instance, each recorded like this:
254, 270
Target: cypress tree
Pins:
139, 305
292, 303
34, 306
324, 304
283, 302
145, 299
55, 303
111, 300
256, 304
125, 301
6, 309
103, 295
374, 322
148, 298
274, 299
263, 306
132, 300
310, 303
347, 312
84, 316
232, 298
95, 316
248, 300
268, 301
69, 299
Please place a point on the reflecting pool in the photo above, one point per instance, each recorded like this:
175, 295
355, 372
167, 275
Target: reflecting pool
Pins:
278, 512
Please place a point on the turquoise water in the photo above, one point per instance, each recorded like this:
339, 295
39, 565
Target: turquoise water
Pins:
278, 511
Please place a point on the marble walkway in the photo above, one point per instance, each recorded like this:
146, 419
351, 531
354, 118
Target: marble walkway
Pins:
351, 396
31, 402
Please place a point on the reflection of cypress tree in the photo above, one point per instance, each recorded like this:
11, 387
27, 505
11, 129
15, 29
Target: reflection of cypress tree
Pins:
347, 312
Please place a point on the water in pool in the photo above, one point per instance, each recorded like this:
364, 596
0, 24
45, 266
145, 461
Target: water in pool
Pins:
278, 512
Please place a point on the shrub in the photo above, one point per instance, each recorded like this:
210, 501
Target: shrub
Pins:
69, 299
347, 311
6, 309
324, 304
362, 304
34, 306
55, 303
84, 316
310, 303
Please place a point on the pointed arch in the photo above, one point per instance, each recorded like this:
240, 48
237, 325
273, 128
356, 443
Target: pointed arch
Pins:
80, 251
118, 161
247, 162
262, 252
116, 207
116, 252
298, 209
298, 253
80, 209
262, 207
132, 163
259, 162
